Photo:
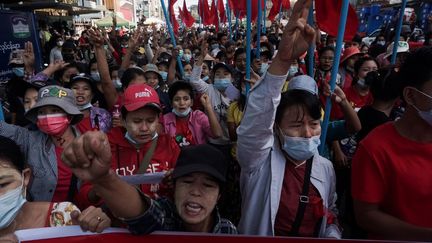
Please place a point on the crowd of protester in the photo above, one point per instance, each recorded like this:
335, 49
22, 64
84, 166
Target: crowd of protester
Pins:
240, 155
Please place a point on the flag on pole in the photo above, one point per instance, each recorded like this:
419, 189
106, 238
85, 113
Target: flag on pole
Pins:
205, 12
221, 9
172, 17
327, 16
188, 19
214, 15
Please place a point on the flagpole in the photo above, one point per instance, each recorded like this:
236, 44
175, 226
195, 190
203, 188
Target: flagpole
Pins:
237, 22
248, 43
228, 10
311, 51
259, 20
398, 32
280, 11
171, 32
339, 40
1, 112
264, 17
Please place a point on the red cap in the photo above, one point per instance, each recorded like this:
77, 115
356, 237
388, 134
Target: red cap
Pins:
137, 96
349, 52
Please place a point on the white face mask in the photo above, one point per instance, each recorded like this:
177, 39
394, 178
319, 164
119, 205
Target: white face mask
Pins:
10, 205
300, 148
84, 107
182, 114
425, 115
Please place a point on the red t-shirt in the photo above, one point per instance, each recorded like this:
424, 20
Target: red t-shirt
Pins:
63, 179
289, 202
394, 172
356, 100
84, 125
184, 135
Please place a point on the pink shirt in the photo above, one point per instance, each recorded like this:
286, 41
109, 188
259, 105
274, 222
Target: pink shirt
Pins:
198, 123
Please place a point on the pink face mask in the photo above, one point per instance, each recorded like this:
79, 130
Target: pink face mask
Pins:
53, 124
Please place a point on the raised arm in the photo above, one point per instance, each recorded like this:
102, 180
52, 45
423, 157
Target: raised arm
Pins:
89, 157
264, 98
215, 127
110, 92
199, 85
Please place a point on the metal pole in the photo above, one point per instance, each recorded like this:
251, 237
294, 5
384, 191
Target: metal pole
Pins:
311, 50
259, 20
398, 32
171, 32
228, 10
264, 17
248, 42
339, 40
280, 11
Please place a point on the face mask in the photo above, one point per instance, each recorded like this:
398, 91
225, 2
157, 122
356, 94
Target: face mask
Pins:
381, 43
182, 114
130, 139
292, 71
264, 67
60, 43
187, 77
299, 148
10, 204
164, 75
124, 46
361, 83
95, 76
425, 115
18, 71
221, 83
106, 47
53, 124
181, 53
117, 83
205, 78
187, 57
214, 46
84, 107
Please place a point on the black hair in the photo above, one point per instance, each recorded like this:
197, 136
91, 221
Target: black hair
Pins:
417, 68
180, 85
10, 152
361, 61
304, 100
129, 74
384, 84
238, 52
59, 73
220, 35
324, 49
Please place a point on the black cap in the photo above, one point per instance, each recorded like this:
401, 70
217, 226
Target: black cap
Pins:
222, 65
201, 158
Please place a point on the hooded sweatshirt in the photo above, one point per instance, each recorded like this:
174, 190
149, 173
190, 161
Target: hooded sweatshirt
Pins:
126, 158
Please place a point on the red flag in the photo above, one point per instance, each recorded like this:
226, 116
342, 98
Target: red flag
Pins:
205, 13
173, 20
328, 14
286, 4
188, 19
214, 15
274, 10
221, 9
181, 14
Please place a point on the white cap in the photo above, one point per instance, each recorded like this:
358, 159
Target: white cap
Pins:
403, 46
303, 82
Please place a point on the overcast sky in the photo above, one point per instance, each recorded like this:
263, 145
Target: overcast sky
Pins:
188, 3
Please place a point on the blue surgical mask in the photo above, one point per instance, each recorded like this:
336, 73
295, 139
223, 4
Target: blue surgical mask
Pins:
187, 57
187, 77
130, 139
264, 67
425, 115
292, 71
221, 83
10, 205
182, 114
84, 107
18, 71
181, 53
95, 76
205, 78
164, 75
117, 83
300, 148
